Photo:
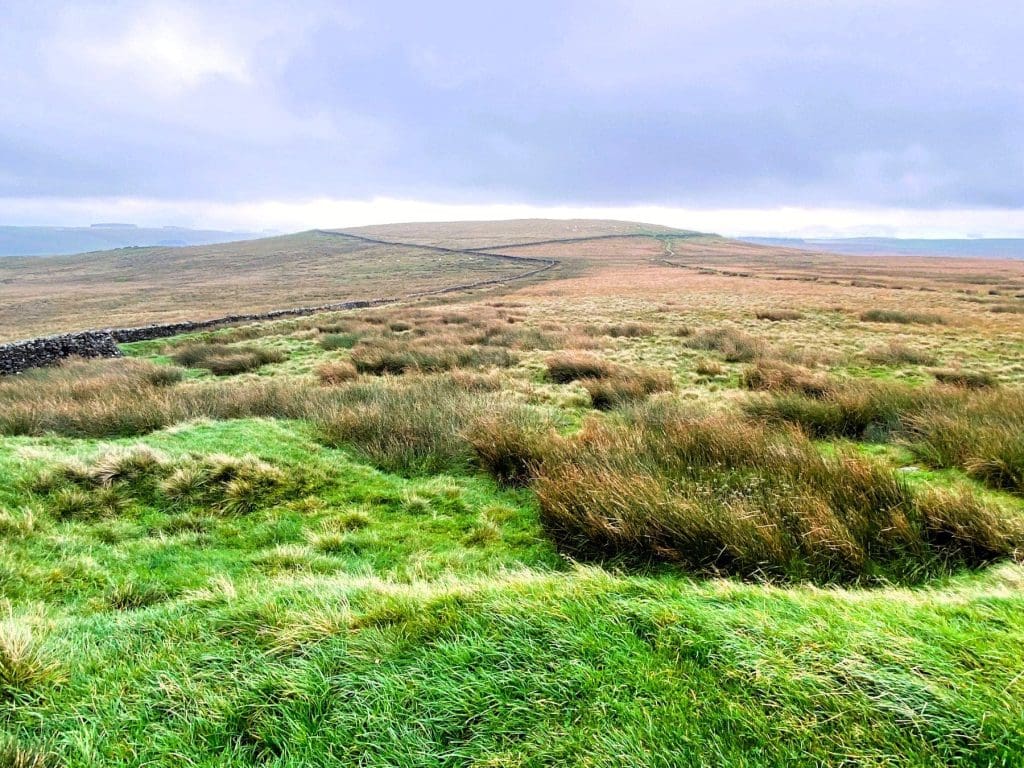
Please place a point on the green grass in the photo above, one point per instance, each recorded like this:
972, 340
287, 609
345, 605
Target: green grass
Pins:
309, 565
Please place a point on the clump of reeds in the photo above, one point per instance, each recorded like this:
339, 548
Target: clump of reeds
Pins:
226, 360
902, 317
336, 372
900, 353
960, 377
734, 345
715, 494
778, 315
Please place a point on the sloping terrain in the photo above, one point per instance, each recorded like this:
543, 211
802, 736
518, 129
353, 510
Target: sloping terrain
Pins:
137, 286
644, 510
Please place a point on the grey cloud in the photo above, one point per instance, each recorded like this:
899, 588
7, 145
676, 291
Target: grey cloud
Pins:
718, 104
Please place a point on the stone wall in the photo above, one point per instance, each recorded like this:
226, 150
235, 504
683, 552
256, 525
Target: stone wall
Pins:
32, 353
163, 330
19, 356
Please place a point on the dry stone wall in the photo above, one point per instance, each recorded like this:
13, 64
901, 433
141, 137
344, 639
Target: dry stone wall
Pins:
19, 356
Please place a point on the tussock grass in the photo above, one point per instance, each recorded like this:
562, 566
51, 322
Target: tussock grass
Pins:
900, 353
410, 427
225, 360
509, 441
778, 315
567, 367
625, 330
20, 523
709, 368
958, 377
714, 494
609, 385
1007, 309
336, 372
15, 755
334, 341
858, 409
110, 482
902, 317
399, 357
117, 398
229, 599
734, 345
25, 663
774, 376
977, 430
625, 386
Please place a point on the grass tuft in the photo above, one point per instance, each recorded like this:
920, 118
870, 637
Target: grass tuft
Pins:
336, 372
778, 315
25, 665
902, 317
225, 360
734, 345
958, 377
713, 494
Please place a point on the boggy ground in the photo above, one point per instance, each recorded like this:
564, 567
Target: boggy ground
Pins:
632, 514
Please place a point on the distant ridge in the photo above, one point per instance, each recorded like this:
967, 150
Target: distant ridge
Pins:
64, 241
985, 248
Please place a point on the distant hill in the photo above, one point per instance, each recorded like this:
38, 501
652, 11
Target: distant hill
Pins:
986, 248
62, 241
133, 286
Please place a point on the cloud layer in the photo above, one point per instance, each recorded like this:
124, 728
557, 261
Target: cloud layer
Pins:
738, 104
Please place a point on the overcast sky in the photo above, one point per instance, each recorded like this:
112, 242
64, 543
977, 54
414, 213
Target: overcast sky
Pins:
793, 116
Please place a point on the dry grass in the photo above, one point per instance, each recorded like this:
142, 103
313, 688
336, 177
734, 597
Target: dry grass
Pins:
775, 376
778, 315
716, 494
336, 372
509, 442
223, 359
143, 285
902, 317
735, 345
900, 353
958, 377
625, 386
425, 355
569, 367
118, 398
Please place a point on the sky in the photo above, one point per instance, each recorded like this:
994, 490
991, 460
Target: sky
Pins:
794, 117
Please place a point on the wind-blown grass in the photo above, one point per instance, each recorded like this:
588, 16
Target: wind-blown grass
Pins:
714, 494
976, 430
224, 360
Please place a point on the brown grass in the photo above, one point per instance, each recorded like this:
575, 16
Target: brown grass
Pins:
336, 372
902, 317
900, 353
715, 494
734, 345
568, 367
777, 315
